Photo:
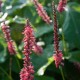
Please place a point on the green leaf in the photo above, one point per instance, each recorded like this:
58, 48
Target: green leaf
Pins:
19, 20
3, 54
16, 32
43, 68
41, 30
12, 6
71, 27
43, 78
47, 38
15, 64
39, 61
75, 56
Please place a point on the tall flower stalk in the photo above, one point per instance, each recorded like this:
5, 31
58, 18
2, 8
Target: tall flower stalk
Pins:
29, 40
57, 53
42, 13
7, 36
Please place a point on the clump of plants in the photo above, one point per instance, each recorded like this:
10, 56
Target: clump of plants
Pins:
56, 50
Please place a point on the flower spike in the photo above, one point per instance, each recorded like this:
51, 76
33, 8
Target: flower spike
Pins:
42, 13
28, 70
37, 49
61, 5
57, 53
9, 41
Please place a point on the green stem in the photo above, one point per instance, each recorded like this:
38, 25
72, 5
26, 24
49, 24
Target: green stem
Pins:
63, 40
64, 45
17, 62
10, 64
61, 72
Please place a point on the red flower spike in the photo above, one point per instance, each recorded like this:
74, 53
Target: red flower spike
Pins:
37, 49
11, 47
29, 41
56, 40
6, 32
28, 33
58, 54
42, 13
7, 36
58, 58
61, 5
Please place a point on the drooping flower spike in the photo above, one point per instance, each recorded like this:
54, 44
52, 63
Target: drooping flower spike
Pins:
42, 13
7, 36
57, 53
61, 5
29, 41
37, 49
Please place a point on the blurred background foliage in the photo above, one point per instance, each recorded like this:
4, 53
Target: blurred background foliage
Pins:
15, 13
